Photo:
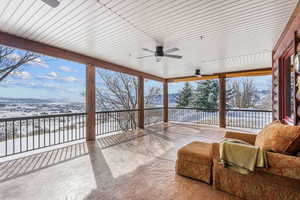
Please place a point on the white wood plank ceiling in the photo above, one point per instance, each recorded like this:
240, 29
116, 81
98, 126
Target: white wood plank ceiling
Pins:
215, 35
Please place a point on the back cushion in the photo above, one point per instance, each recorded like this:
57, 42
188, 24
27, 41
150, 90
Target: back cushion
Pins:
280, 138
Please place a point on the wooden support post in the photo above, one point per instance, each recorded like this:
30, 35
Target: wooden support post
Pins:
166, 101
222, 101
90, 103
141, 102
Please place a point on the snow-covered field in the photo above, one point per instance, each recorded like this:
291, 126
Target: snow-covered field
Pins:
241, 119
40, 138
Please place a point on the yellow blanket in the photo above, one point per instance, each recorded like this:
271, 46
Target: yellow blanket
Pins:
241, 156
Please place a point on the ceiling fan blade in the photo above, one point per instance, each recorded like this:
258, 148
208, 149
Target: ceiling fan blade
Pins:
148, 50
171, 50
144, 57
52, 3
173, 56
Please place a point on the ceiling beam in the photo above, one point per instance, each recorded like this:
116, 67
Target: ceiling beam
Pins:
38, 47
192, 78
254, 72
287, 36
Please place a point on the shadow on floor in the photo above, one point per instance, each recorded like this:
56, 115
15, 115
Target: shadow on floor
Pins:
29, 164
22, 166
134, 165
154, 180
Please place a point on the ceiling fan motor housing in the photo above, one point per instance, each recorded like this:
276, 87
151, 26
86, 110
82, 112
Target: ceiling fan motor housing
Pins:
159, 51
198, 72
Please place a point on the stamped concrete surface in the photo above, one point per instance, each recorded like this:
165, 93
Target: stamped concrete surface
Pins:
139, 165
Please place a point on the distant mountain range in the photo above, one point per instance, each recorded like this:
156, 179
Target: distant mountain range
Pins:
172, 97
157, 99
25, 100
264, 92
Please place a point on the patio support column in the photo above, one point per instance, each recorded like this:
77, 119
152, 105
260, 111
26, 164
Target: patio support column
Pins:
90, 103
166, 101
140, 99
222, 101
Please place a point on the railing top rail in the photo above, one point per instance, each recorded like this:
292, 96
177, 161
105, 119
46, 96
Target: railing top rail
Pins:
40, 117
114, 111
65, 115
193, 108
155, 108
249, 110
111, 111
128, 110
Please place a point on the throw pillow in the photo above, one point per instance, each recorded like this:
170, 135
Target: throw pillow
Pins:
280, 138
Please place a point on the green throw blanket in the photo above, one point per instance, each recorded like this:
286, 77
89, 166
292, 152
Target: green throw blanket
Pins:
241, 156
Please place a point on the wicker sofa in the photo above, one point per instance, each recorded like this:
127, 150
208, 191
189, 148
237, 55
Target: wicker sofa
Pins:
280, 181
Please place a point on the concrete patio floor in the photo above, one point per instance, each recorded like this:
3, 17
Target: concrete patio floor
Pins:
136, 165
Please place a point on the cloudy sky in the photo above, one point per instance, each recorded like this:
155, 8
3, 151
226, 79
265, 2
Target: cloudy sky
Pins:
46, 78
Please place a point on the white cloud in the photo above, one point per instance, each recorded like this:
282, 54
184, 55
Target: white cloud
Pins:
23, 82
13, 57
51, 86
50, 76
22, 75
55, 76
65, 69
32, 84
70, 79
36, 62
6, 83
39, 62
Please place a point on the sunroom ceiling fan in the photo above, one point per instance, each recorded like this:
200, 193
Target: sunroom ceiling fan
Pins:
52, 3
159, 53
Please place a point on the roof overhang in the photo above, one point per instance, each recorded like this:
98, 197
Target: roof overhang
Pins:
217, 36
29, 45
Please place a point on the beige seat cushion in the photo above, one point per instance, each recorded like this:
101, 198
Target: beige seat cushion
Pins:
195, 160
280, 138
197, 152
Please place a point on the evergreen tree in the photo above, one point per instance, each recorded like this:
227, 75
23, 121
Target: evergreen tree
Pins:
206, 94
185, 96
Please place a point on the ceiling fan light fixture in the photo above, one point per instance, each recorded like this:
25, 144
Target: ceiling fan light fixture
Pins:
198, 73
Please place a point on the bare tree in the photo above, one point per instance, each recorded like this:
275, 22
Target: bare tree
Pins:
265, 102
117, 91
10, 61
150, 98
244, 93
